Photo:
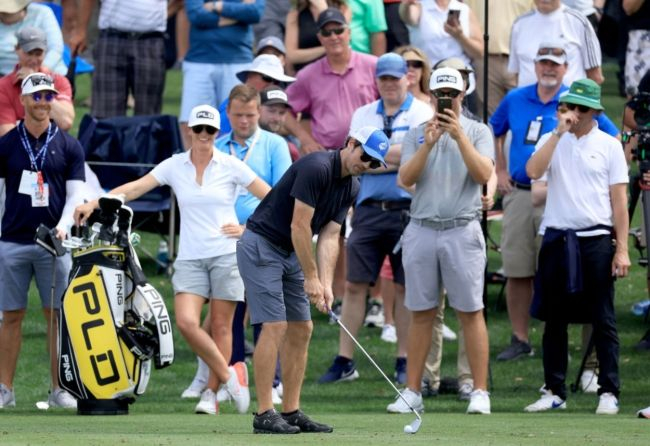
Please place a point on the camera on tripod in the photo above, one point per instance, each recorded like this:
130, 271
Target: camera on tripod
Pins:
640, 104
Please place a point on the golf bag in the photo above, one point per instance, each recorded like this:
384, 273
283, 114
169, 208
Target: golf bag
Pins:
113, 324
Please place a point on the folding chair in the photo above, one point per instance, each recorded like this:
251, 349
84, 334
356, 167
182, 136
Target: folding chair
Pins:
124, 149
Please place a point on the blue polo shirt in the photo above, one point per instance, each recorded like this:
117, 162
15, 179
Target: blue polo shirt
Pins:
264, 152
64, 161
314, 179
383, 186
516, 111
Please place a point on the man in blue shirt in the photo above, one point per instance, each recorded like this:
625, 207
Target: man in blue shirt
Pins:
528, 112
42, 173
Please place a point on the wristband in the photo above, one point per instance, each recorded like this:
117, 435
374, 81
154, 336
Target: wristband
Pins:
556, 132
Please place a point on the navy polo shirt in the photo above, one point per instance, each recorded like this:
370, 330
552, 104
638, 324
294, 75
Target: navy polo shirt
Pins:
64, 161
314, 179
516, 111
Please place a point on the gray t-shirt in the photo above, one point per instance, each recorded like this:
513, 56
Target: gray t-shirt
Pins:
445, 190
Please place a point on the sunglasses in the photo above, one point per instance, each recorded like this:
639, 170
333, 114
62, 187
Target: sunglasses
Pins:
208, 128
49, 97
329, 32
445, 94
415, 64
581, 108
268, 79
554, 51
367, 158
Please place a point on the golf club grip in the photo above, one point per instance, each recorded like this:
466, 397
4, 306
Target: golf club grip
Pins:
338, 321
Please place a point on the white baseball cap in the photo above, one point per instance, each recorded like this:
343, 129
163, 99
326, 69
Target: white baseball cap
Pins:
205, 115
268, 65
446, 78
37, 82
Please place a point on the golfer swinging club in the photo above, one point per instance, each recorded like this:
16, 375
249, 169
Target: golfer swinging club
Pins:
282, 275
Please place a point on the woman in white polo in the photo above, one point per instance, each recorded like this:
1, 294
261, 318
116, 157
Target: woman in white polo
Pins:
206, 183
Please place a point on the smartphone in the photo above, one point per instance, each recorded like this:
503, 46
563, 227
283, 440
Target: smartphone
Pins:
453, 16
443, 104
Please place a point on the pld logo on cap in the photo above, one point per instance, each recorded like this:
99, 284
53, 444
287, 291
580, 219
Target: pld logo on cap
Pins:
204, 114
277, 94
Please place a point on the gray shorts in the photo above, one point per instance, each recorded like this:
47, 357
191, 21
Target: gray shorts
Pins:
519, 240
274, 281
450, 258
18, 264
214, 278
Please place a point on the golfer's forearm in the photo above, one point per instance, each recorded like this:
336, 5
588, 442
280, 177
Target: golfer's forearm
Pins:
301, 237
327, 253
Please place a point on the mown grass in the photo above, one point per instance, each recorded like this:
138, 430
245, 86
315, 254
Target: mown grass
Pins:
356, 409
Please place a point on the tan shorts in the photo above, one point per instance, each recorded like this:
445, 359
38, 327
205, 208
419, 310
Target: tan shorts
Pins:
519, 243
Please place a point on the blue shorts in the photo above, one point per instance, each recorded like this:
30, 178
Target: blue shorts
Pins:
207, 83
18, 264
273, 279
375, 232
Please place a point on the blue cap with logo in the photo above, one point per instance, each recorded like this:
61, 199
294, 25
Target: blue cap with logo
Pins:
391, 64
374, 142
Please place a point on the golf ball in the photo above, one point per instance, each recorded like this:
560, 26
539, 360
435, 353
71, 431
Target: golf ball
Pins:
408, 429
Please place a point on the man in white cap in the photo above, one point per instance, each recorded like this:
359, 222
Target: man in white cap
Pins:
42, 173
31, 49
265, 70
282, 273
448, 159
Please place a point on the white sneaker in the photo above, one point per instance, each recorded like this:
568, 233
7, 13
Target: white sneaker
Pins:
589, 381
7, 397
208, 403
448, 334
608, 404
275, 396
413, 398
375, 315
389, 334
644, 413
237, 386
223, 395
479, 402
195, 389
548, 401
61, 398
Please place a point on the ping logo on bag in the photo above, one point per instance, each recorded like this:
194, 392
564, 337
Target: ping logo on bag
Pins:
92, 333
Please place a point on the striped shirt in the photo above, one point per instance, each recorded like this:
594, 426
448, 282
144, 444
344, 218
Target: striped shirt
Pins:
533, 28
133, 15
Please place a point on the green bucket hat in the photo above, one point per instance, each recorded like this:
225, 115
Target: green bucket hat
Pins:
583, 92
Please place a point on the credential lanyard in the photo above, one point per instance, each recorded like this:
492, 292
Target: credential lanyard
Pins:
256, 137
42, 153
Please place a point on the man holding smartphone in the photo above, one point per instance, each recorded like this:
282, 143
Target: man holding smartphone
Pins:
448, 159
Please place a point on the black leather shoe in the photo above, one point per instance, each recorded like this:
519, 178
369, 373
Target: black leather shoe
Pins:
271, 422
306, 424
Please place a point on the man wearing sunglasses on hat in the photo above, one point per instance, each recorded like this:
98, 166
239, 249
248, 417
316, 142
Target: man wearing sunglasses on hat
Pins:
379, 216
527, 113
586, 210
283, 273
31, 49
42, 174
447, 159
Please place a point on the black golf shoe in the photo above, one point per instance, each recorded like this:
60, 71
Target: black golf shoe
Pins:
271, 422
304, 423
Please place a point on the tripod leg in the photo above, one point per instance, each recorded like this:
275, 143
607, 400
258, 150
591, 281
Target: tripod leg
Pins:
590, 347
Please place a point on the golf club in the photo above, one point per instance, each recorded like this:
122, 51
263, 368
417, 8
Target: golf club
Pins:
409, 428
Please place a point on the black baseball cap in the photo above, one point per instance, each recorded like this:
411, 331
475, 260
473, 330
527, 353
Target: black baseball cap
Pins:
274, 95
331, 15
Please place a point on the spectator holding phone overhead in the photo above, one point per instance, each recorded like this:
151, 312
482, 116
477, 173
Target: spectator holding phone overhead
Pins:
453, 156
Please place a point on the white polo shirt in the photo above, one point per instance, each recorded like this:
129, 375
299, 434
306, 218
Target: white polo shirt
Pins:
205, 208
532, 28
579, 177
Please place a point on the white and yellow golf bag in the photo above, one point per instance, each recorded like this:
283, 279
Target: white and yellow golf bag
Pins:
113, 324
